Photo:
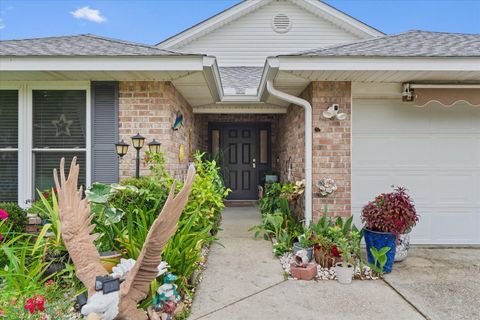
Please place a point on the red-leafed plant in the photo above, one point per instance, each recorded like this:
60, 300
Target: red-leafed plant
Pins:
390, 212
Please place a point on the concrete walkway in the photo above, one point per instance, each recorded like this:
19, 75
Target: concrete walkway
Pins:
243, 280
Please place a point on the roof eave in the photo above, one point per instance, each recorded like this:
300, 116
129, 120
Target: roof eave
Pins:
103, 63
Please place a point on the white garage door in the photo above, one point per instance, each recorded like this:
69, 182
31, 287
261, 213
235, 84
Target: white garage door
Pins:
433, 151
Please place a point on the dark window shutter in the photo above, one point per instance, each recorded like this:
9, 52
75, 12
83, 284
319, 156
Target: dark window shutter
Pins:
104, 131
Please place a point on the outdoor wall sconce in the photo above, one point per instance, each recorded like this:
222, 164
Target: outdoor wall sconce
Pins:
138, 142
333, 112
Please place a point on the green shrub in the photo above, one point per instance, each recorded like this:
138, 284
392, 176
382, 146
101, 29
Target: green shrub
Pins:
124, 213
17, 217
39, 206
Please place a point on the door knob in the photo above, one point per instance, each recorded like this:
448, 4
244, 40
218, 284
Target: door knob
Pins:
253, 163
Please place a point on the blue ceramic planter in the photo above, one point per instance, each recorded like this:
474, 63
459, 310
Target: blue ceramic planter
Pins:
379, 240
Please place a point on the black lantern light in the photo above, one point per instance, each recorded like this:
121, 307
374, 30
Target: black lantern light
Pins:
154, 146
138, 141
121, 148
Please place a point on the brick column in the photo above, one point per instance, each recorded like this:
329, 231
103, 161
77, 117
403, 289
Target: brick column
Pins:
332, 147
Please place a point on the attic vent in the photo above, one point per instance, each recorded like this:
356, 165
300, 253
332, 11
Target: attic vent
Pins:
281, 23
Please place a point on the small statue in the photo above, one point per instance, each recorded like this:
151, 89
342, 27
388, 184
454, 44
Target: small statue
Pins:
167, 296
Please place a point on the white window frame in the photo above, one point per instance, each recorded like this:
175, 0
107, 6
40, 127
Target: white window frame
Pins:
25, 128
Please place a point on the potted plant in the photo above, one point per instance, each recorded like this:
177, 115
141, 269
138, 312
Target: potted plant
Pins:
344, 269
386, 218
305, 242
271, 177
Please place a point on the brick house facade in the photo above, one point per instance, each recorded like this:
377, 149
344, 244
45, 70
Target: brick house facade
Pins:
150, 108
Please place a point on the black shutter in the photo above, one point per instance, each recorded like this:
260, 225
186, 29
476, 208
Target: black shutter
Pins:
104, 131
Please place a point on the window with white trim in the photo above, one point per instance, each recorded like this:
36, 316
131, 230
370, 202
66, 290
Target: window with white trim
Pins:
58, 130
9, 145
40, 124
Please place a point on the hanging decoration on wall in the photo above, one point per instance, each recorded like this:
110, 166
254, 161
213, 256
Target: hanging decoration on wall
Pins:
178, 121
181, 152
327, 186
62, 126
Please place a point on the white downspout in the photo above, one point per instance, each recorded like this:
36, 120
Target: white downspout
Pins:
308, 143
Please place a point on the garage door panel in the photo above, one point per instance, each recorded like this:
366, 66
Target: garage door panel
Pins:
450, 189
409, 151
422, 233
373, 117
457, 119
454, 151
372, 145
369, 184
433, 151
460, 226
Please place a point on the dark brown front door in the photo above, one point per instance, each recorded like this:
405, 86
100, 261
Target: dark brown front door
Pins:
239, 157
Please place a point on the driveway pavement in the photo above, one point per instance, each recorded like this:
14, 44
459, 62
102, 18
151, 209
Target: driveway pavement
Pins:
441, 283
243, 280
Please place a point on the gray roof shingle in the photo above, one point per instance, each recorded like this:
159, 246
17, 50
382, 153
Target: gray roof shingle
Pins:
240, 78
409, 44
78, 45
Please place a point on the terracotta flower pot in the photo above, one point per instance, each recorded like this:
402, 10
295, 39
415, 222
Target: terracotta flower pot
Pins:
110, 259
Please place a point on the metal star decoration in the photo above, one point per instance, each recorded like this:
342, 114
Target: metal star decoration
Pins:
62, 126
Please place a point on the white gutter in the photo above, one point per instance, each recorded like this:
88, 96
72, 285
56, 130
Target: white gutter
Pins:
443, 86
307, 107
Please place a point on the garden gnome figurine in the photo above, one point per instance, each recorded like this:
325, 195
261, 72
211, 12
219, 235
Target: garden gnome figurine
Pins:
167, 296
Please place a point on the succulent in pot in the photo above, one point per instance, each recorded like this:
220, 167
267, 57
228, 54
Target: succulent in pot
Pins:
305, 242
386, 218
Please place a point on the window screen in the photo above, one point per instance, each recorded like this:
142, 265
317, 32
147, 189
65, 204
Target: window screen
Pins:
59, 130
8, 145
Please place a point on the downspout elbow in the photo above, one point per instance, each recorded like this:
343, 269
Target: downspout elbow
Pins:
308, 143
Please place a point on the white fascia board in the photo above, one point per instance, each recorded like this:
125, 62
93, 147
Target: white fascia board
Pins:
133, 63
211, 73
339, 18
212, 23
312, 63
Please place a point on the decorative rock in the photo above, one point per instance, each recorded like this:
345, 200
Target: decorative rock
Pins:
304, 273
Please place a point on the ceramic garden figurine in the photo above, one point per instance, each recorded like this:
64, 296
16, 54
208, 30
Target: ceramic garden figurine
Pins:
167, 296
76, 228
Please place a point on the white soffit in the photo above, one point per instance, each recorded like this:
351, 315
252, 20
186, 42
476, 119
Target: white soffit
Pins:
195, 89
241, 108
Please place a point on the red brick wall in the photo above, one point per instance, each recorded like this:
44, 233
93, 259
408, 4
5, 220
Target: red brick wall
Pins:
150, 108
332, 146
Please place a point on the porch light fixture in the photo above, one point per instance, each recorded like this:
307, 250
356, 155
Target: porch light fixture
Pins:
138, 141
122, 148
154, 146
333, 112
